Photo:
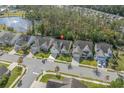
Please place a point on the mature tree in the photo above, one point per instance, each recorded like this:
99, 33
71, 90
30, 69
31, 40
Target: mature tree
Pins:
20, 60
118, 83
113, 62
3, 81
73, 24
57, 69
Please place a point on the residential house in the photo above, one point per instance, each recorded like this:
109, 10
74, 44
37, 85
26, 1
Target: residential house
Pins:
35, 47
61, 47
103, 51
41, 44
47, 43
6, 38
3, 70
66, 83
82, 49
22, 42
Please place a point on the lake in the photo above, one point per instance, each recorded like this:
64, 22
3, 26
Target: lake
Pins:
19, 24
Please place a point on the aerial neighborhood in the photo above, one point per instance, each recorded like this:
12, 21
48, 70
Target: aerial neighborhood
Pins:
61, 47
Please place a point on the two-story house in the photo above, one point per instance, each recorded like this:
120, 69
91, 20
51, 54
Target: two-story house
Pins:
61, 47
41, 44
6, 38
82, 49
103, 51
22, 42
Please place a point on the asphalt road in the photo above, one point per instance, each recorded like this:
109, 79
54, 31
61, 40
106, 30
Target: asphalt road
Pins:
35, 67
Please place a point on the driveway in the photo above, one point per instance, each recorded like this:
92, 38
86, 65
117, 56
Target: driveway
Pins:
35, 66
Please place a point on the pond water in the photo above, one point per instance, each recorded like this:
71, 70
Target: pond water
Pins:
19, 24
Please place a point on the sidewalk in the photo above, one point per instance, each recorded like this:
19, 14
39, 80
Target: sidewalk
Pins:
38, 84
19, 77
87, 80
12, 66
12, 52
30, 55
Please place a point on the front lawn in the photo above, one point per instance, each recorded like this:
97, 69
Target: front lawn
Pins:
42, 55
89, 62
6, 48
21, 52
93, 85
2, 64
46, 77
64, 58
16, 72
120, 63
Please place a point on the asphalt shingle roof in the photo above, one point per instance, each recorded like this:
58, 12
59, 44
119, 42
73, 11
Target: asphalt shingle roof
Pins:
104, 47
3, 70
66, 83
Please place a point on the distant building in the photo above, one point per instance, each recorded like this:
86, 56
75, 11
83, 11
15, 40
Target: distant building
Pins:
103, 51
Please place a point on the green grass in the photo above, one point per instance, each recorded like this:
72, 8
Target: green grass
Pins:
89, 62
14, 75
6, 48
2, 64
120, 63
42, 55
93, 85
17, 13
46, 77
65, 58
21, 52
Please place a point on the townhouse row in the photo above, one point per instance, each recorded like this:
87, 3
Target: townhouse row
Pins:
77, 49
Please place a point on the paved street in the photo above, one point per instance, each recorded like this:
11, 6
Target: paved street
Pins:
35, 66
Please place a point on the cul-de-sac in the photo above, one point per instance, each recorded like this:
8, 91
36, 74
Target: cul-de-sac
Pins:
61, 46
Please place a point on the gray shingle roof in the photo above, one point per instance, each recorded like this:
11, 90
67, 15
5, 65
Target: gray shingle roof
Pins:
82, 44
66, 83
6, 37
3, 70
103, 46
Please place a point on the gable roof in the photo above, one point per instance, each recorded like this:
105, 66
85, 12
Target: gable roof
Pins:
103, 46
3, 70
6, 37
77, 50
66, 44
83, 44
62, 44
73, 83
54, 83
66, 83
